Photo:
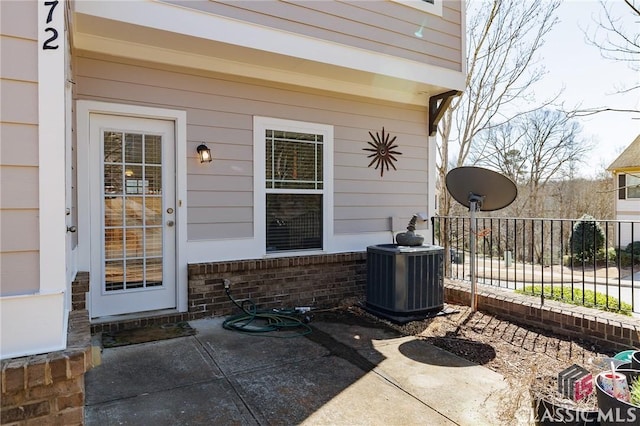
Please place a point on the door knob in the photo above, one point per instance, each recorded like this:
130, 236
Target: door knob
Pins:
169, 223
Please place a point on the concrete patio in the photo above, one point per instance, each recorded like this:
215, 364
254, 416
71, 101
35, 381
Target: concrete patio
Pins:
341, 374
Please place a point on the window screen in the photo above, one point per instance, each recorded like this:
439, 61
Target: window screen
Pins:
294, 184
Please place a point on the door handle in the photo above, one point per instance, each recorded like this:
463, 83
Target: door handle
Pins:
169, 223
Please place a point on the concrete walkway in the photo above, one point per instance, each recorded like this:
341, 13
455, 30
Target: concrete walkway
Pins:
341, 374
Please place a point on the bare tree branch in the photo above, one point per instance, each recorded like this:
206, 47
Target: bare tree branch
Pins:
615, 41
536, 148
633, 7
504, 37
593, 111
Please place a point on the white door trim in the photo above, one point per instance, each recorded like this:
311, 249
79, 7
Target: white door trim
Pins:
85, 177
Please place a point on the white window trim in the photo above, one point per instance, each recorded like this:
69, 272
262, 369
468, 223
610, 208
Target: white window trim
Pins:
260, 125
434, 9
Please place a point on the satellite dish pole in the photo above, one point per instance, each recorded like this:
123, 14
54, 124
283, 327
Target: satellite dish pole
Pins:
475, 205
480, 190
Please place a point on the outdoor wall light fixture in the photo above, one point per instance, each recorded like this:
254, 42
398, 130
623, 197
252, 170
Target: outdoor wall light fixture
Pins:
204, 153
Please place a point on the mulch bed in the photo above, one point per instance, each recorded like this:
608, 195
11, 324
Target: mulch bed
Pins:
528, 357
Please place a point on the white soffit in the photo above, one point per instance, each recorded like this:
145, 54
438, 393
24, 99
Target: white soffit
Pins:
163, 33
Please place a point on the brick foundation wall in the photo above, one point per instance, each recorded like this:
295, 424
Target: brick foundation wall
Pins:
607, 329
79, 291
332, 280
48, 388
315, 281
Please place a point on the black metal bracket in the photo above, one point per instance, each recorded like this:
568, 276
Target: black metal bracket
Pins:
438, 104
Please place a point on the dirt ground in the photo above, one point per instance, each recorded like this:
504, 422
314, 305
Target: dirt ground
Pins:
522, 354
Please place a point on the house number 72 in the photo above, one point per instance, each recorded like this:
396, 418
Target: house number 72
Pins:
54, 33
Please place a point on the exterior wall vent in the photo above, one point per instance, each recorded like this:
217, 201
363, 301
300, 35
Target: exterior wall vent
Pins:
404, 282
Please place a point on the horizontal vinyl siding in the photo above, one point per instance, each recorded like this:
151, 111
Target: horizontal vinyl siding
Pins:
20, 144
220, 113
18, 58
19, 187
380, 26
19, 219
17, 271
19, 101
15, 16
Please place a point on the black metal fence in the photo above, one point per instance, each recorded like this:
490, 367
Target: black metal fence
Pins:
584, 261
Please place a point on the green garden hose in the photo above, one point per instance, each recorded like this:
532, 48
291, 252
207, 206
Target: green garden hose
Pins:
253, 320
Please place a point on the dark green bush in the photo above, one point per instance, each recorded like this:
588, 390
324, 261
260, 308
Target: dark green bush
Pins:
634, 248
603, 258
587, 238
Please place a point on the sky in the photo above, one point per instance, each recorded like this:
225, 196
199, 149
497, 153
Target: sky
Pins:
591, 81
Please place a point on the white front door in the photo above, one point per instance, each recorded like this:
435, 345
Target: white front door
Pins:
133, 203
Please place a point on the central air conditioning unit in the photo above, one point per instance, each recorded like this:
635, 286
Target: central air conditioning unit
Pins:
404, 283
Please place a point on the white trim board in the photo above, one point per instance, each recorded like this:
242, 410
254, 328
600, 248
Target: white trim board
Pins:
52, 148
406, 80
434, 8
207, 251
32, 324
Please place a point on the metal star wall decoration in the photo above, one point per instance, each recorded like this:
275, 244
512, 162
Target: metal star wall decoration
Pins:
383, 151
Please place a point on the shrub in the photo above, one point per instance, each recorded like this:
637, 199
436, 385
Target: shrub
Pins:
587, 238
634, 248
591, 299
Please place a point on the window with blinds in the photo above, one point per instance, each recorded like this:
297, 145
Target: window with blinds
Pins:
633, 186
294, 190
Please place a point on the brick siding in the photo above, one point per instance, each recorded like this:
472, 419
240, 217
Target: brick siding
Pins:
607, 329
48, 388
314, 281
332, 280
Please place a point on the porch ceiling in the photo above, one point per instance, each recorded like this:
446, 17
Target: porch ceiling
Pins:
331, 67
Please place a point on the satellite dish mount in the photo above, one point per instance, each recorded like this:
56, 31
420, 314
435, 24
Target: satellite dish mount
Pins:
480, 190
475, 202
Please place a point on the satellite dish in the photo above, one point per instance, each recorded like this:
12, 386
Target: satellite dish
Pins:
490, 190
479, 189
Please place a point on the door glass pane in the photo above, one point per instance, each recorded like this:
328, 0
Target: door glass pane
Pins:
133, 148
113, 211
134, 242
113, 147
135, 273
153, 242
154, 272
153, 179
112, 179
133, 210
114, 275
153, 210
152, 149
113, 244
